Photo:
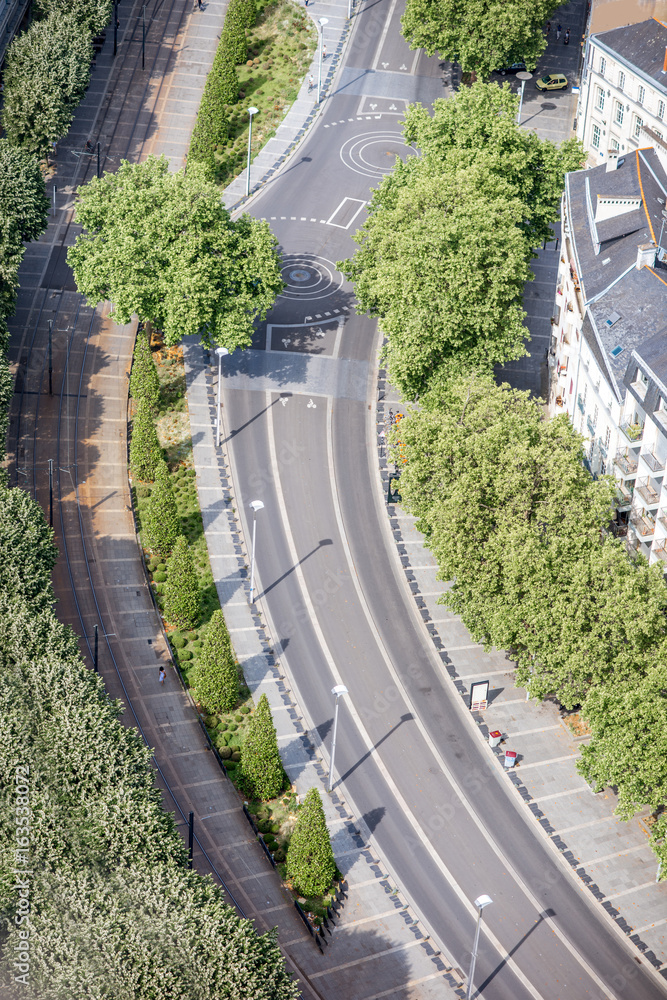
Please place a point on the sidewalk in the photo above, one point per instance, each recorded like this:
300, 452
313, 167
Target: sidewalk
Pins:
612, 859
378, 947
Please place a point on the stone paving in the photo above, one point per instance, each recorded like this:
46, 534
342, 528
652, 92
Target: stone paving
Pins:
610, 857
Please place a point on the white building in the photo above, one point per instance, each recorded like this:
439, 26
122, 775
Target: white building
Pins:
623, 88
609, 353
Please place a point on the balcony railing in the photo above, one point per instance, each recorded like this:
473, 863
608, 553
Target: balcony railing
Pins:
602, 449
618, 530
632, 431
654, 464
626, 462
624, 493
580, 402
649, 491
591, 426
643, 524
660, 550
662, 518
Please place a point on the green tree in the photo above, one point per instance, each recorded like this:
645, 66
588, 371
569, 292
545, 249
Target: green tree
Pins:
144, 380
261, 766
249, 13
216, 675
28, 552
45, 76
310, 861
182, 598
479, 34
145, 451
160, 523
162, 245
93, 15
23, 203
444, 254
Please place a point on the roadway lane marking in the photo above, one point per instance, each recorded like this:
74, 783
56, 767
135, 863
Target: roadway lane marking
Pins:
368, 958
553, 760
453, 649
542, 729
583, 826
614, 854
634, 888
649, 927
480, 673
383, 36
397, 910
345, 212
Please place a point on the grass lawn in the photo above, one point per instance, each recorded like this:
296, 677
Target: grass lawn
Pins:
280, 50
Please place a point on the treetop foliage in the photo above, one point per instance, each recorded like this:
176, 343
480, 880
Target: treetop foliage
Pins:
162, 245
182, 600
480, 35
216, 676
144, 379
161, 523
310, 859
28, 552
94, 15
261, 765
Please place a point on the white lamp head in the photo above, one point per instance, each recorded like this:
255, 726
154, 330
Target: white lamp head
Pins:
482, 901
339, 690
221, 351
324, 20
252, 111
256, 505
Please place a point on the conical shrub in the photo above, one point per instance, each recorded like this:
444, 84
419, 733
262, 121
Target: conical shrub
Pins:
216, 677
144, 381
160, 524
310, 861
145, 451
182, 600
261, 765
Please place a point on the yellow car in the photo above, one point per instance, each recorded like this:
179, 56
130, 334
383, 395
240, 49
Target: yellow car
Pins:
553, 81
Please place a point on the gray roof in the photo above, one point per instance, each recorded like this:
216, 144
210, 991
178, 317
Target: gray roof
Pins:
653, 353
641, 46
610, 282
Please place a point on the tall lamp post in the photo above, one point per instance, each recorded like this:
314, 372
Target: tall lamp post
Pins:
523, 76
322, 22
337, 692
255, 505
480, 903
251, 112
221, 352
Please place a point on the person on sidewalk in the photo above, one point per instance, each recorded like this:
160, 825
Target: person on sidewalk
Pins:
558, 31
566, 40
311, 82
162, 675
548, 27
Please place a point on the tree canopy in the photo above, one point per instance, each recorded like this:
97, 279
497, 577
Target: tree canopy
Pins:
45, 76
216, 675
161, 245
310, 859
94, 15
261, 765
444, 254
480, 35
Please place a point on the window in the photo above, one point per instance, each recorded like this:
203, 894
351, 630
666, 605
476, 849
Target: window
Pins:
595, 414
613, 145
621, 80
599, 98
637, 123
603, 468
618, 112
661, 109
658, 133
607, 437
596, 137
603, 65
641, 94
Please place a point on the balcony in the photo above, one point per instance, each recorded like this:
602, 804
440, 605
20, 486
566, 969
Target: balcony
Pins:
643, 524
632, 431
618, 530
660, 549
626, 462
649, 491
662, 518
591, 426
624, 493
580, 402
654, 464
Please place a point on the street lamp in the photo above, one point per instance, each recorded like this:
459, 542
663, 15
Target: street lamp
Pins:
251, 112
337, 691
322, 22
255, 505
480, 903
523, 76
221, 352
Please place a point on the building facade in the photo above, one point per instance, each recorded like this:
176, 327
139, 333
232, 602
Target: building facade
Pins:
623, 89
609, 346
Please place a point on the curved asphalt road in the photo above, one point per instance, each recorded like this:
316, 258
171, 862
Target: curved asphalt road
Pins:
409, 759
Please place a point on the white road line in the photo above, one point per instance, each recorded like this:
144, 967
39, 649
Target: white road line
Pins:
649, 927
584, 826
404, 986
559, 795
553, 760
367, 958
383, 36
634, 888
616, 854
530, 732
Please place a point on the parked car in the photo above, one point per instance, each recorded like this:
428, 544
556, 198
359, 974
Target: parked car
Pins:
514, 68
552, 81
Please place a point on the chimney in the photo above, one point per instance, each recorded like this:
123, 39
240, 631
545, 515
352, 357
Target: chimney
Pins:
646, 255
612, 162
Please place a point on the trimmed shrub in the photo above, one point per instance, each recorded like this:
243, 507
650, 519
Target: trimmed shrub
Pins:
260, 759
184, 655
245, 709
145, 451
217, 679
162, 567
160, 577
182, 600
160, 523
232, 727
211, 127
230, 765
234, 40
178, 642
239, 718
236, 756
144, 381
310, 861
279, 855
193, 636
225, 753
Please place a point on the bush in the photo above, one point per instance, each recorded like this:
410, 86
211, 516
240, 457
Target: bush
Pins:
159, 576
236, 756
264, 826
238, 717
232, 727
193, 636
211, 127
245, 709
230, 765
144, 381
234, 40
197, 644
162, 567
182, 600
178, 642
234, 743
225, 753
279, 855
275, 828
260, 761
160, 524
145, 451
310, 861
184, 655
217, 678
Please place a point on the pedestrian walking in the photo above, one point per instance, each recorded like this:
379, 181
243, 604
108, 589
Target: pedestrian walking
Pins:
311, 82
558, 31
162, 675
548, 27
324, 51
199, 4
566, 40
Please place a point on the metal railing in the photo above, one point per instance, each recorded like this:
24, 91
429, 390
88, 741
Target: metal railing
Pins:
648, 491
626, 462
643, 523
655, 464
632, 431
